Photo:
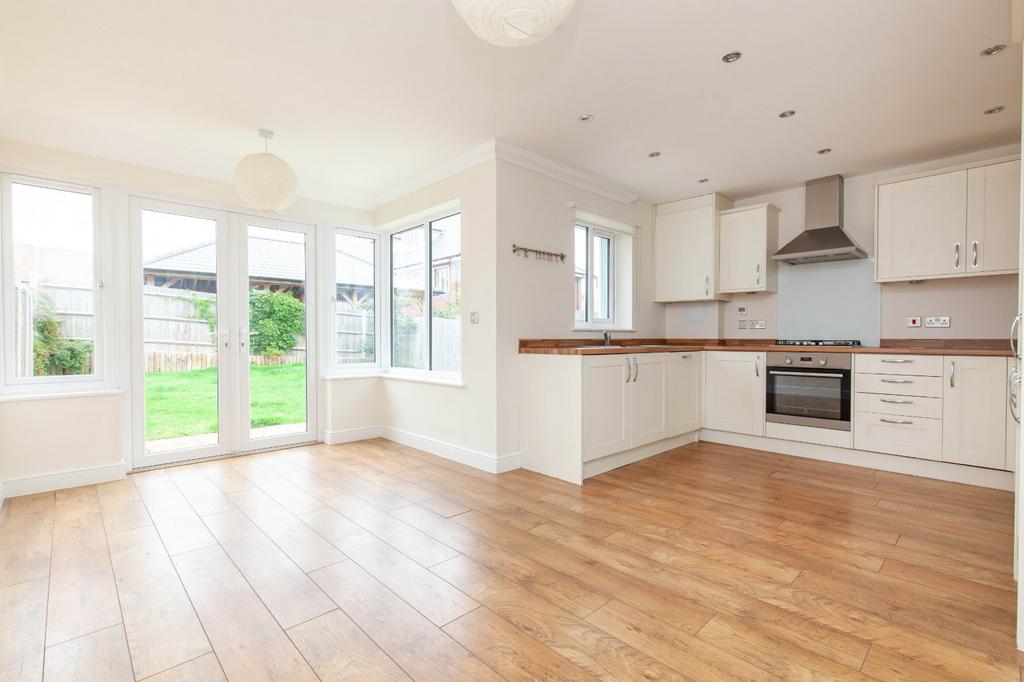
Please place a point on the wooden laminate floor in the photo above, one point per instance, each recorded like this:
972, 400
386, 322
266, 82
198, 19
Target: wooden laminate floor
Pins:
376, 561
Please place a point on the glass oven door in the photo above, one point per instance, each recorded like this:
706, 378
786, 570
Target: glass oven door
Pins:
809, 397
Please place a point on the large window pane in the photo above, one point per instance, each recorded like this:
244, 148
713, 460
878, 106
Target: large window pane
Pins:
179, 330
354, 300
581, 269
54, 283
601, 271
408, 298
446, 294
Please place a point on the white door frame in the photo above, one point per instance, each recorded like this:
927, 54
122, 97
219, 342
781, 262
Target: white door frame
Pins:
232, 334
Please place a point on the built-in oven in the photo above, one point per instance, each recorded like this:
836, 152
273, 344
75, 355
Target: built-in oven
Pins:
809, 389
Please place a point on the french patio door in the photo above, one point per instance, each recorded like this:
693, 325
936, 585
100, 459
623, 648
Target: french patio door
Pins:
223, 333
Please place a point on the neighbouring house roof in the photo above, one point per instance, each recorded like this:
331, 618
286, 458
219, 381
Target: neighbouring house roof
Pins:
269, 259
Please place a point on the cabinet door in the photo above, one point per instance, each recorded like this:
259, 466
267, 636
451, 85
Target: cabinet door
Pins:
974, 411
606, 405
993, 217
649, 398
921, 227
744, 251
685, 388
683, 255
1012, 427
734, 391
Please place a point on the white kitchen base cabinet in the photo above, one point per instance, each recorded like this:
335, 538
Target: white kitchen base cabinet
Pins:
582, 415
734, 391
974, 411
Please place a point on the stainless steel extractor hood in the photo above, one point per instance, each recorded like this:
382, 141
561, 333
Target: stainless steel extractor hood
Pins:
823, 238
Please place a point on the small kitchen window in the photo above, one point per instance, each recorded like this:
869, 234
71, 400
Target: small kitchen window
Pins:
602, 274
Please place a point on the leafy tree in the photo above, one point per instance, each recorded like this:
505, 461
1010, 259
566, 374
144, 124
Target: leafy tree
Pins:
53, 353
276, 318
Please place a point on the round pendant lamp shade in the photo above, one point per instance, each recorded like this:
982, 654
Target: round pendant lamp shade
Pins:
265, 181
513, 23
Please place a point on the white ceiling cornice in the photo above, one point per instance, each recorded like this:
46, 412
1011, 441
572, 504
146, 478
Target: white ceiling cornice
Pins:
510, 153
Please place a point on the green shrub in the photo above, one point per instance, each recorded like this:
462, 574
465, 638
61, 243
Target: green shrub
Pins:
276, 318
52, 353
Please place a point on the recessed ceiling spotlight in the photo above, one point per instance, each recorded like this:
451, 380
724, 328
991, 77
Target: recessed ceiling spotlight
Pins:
995, 49
995, 110
732, 57
703, 180
586, 118
788, 113
654, 155
825, 150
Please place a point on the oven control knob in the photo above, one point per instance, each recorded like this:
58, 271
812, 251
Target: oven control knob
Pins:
823, 362
789, 360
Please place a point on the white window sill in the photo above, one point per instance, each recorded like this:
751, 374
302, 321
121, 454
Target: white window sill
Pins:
64, 395
367, 373
423, 377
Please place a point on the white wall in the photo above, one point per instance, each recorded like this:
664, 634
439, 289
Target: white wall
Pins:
535, 298
973, 316
458, 420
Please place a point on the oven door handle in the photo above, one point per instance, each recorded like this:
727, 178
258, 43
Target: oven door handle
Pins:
807, 374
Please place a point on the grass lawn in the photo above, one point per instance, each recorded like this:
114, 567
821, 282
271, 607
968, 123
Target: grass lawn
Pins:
185, 403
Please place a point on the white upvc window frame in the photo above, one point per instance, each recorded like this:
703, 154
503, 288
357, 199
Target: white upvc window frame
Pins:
591, 318
332, 368
103, 376
425, 219
622, 281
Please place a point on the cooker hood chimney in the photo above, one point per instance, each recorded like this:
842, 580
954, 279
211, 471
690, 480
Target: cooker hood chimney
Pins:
823, 238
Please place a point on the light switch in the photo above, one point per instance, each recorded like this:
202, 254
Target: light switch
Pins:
914, 321
474, 318
937, 321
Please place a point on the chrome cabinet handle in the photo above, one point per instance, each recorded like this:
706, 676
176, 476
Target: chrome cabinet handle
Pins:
896, 401
1014, 382
757, 366
895, 421
1013, 335
685, 357
974, 253
952, 373
636, 370
897, 381
629, 371
956, 256
897, 361
707, 285
757, 274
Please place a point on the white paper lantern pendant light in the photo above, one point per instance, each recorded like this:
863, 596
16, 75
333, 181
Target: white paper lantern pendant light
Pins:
265, 181
513, 23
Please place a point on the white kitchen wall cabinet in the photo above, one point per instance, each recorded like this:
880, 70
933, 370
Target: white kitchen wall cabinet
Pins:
974, 411
952, 223
686, 242
734, 391
748, 236
993, 218
686, 392
607, 404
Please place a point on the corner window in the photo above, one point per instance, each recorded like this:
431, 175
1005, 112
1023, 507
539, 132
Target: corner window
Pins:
52, 305
355, 300
426, 300
602, 275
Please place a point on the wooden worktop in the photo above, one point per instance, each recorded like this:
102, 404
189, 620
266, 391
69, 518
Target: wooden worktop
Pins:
982, 347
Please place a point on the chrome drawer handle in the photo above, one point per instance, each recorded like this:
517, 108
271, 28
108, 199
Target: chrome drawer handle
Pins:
775, 373
898, 361
895, 421
897, 381
896, 401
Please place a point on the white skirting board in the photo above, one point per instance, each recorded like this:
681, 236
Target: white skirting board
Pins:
943, 471
456, 453
62, 479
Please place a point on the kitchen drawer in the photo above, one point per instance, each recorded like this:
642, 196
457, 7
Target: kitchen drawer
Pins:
908, 436
914, 365
898, 384
909, 406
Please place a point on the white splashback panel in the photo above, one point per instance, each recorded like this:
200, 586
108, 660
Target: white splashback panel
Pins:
838, 300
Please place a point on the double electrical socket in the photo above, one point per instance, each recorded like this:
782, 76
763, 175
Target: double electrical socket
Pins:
931, 321
751, 324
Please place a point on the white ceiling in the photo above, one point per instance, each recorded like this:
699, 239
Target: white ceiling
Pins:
364, 94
